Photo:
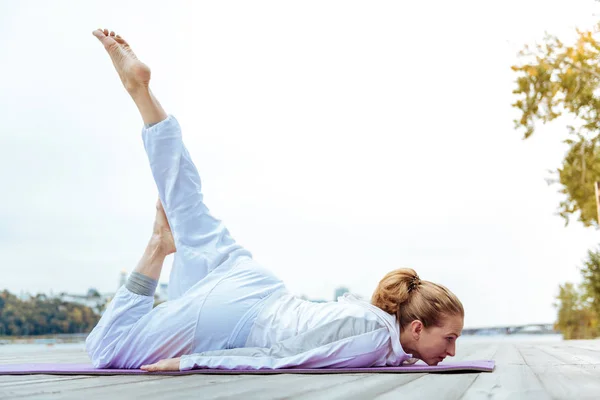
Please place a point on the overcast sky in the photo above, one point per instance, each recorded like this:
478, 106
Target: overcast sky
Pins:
337, 140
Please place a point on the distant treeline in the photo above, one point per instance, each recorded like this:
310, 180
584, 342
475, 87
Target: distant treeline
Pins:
41, 315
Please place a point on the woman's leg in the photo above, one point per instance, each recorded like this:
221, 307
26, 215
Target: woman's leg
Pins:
202, 241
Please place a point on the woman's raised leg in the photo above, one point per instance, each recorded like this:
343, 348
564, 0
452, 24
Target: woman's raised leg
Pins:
202, 241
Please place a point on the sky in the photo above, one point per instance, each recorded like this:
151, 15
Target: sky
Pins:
336, 140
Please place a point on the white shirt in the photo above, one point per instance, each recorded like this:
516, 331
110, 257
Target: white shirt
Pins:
290, 332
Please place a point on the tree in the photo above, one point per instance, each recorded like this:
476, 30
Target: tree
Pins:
43, 315
591, 280
575, 320
558, 80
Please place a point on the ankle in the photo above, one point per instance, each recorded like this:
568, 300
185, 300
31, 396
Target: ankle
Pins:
158, 244
149, 108
139, 93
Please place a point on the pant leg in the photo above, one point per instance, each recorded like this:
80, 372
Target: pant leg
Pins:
202, 241
131, 333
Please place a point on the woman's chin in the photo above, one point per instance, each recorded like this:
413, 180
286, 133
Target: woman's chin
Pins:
434, 361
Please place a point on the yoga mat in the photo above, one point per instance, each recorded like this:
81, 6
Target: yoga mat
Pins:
87, 369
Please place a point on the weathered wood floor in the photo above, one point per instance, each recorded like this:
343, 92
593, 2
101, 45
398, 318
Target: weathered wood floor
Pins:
524, 370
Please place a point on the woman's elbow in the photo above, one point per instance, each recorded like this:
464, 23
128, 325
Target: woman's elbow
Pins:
100, 353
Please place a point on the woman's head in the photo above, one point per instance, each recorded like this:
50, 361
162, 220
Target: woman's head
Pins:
430, 316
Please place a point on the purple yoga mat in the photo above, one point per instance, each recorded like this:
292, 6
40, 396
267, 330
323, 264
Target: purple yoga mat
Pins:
87, 369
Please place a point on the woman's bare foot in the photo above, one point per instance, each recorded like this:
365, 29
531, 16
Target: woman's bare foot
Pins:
162, 230
134, 74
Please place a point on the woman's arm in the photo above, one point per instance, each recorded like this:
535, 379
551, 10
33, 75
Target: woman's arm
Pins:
309, 350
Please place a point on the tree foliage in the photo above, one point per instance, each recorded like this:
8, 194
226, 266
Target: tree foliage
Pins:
40, 315
556, 80
591, 281
576, 320
579, 308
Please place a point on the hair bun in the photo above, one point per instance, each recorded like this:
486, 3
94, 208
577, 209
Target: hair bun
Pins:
414, 283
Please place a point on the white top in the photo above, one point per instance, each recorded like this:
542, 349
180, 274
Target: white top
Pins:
290, 332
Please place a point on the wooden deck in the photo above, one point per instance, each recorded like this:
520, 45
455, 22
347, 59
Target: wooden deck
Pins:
524, 370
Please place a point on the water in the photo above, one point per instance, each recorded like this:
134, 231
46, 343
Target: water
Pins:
31, 348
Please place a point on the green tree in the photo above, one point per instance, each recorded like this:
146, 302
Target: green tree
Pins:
591, 280
42, 315
576, 320
559, 80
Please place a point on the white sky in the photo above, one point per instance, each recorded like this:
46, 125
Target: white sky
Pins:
337, 140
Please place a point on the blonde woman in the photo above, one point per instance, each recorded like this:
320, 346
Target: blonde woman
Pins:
224, 309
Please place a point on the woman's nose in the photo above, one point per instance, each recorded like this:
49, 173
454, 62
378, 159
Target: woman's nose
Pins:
451, 350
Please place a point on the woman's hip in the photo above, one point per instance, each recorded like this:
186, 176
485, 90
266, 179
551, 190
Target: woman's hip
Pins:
230, 308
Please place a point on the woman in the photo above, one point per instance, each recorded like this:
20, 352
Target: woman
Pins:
224, 309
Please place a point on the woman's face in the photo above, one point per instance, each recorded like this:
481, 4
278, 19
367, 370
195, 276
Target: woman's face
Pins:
435, 343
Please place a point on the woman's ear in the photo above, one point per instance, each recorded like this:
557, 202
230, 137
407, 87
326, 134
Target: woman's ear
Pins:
416, 328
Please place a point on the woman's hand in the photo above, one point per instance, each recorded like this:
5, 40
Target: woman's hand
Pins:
170, 364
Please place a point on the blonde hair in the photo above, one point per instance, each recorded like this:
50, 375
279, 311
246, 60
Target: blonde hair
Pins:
403, 293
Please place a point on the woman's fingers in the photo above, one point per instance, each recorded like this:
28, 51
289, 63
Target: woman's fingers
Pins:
171, 364
149, 367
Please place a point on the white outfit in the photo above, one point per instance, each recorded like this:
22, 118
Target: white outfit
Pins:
224, 309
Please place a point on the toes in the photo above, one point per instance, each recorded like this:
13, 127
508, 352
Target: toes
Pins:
100, 35
104, 34
120, 40
108, 39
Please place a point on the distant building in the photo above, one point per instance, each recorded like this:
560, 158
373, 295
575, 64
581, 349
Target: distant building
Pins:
162, 293
122, 278
24, 296
304, 297
93, 299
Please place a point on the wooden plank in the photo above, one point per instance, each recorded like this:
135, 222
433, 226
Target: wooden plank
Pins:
58, 387
511, 379
6, 380
573, 355
265, 387
147, 387
370, 386
293, 386
559, 378
375, 384
584, 344
31, 379
431, 386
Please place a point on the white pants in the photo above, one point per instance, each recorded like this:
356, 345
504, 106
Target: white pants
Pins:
215, 287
